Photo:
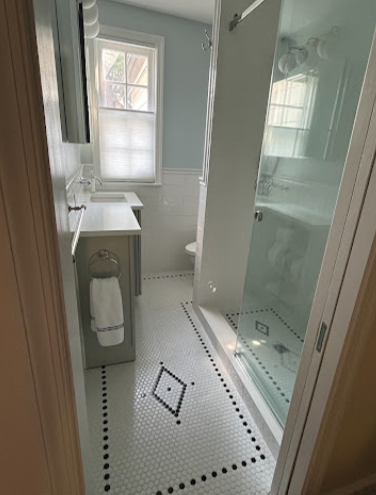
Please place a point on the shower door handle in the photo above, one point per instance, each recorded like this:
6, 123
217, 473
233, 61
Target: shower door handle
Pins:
321, 337
259, 216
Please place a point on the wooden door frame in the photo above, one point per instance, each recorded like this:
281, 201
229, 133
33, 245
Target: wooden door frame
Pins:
28, 208
343, 344
347, 244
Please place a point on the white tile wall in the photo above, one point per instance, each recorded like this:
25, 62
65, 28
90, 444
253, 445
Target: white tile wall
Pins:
169, 219
199, 240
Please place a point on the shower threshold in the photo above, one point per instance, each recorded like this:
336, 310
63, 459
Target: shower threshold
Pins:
223, 337
270, 348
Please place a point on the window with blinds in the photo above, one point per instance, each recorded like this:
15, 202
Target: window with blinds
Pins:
127, 118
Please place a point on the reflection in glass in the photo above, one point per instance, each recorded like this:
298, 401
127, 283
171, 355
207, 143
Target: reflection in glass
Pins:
114, 96
318, 73
137, 98
137, 69
290, 115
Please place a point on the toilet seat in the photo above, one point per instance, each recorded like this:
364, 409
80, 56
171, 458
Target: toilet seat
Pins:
191, 249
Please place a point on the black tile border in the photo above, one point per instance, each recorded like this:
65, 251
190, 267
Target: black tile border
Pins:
288, 326
105, 429
161, 277
256, 311
159, 399
193, 481
213, 474
282, 392
219, 374
224, 470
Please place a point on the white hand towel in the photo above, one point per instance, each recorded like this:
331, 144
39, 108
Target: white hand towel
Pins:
107, 311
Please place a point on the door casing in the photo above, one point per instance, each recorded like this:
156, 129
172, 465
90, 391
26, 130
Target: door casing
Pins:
47, 458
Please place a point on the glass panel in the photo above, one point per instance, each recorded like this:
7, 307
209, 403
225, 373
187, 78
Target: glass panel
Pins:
137, 69
114, 96
318, 73
113, 65
126, 76
137, 98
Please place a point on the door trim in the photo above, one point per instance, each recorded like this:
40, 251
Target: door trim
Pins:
32, 234
343, 334
294, 456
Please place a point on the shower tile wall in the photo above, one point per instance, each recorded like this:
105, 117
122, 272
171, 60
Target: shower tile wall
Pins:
169, 219
172, 421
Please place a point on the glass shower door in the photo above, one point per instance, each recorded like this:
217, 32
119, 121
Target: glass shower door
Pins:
319, 68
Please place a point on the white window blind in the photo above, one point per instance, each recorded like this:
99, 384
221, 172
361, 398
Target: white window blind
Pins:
126, 111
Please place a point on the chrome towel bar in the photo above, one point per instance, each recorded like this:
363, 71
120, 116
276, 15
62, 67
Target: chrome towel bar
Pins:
76, 234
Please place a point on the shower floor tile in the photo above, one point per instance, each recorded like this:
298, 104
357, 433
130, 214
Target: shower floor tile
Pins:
172, 421
272, 348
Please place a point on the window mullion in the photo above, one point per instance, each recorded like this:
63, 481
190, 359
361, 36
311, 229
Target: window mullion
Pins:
126, 78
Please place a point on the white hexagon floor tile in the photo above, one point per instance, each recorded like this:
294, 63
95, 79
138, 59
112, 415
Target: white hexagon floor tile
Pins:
272, 348
172, 421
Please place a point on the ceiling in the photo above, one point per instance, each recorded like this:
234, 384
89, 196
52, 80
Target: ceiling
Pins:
197, 10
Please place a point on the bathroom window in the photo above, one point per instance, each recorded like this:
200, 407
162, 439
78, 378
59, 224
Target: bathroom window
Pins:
128, 137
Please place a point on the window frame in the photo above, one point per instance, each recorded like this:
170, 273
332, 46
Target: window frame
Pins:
151, 85
120, 35
306, 108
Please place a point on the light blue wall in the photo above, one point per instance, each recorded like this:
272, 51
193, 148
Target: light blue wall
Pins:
185, 78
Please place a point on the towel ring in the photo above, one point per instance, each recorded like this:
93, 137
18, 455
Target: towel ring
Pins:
104, 255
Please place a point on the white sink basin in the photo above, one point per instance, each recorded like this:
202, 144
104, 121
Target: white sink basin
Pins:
108, 197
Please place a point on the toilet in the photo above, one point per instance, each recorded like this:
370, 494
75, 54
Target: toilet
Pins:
191, 251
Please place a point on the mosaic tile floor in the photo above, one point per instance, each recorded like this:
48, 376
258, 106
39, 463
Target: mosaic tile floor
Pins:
272, 348
172, 421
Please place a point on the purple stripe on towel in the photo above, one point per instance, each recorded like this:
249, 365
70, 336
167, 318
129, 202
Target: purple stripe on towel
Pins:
109, 329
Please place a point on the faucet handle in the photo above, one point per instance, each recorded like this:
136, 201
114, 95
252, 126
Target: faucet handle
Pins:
93, 177
99, 180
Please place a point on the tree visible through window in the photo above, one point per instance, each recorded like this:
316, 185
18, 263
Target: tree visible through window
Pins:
125, 80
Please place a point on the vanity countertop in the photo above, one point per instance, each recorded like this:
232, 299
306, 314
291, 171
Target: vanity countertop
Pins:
112, 218
134, 201
108, 219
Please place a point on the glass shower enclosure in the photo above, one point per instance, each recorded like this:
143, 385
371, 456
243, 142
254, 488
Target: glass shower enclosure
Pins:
320, 63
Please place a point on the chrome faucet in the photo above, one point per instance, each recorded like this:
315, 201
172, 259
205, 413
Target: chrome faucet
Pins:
85, 180
94, 178
90, 181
